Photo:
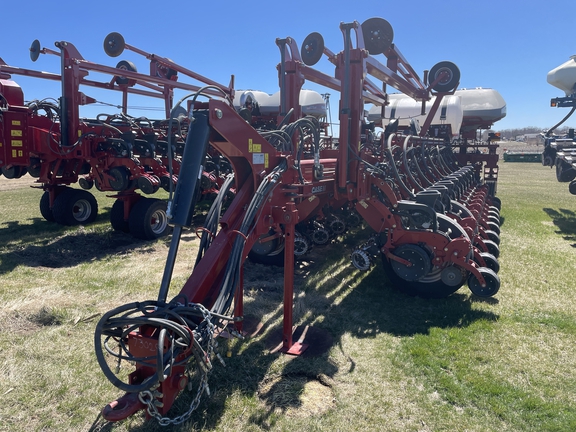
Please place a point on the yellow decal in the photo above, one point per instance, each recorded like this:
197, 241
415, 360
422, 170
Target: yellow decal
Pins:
16, 123
16, 132
14, 153
363, 204
79, 133
20, 153
254, 148
265, 159
312, 198
16, 143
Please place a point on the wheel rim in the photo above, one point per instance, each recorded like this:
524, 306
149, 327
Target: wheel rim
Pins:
158, 222
82, 210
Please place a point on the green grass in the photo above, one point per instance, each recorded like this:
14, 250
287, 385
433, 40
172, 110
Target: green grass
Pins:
393, 363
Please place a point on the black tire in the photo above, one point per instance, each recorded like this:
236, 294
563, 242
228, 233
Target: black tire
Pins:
496, 202
75, 207
494, 219
120, 178
34, 167
435, 289
312, 49
378, 35
492, 283
492, 248
268, 253
564, 171
493, 209
45, 209
114, 44
492, 236
117, 217
447, 84
125, 65
493, 226
148, 219
491, 261
14, 172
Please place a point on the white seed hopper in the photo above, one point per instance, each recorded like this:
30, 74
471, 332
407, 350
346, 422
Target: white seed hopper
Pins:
564, 76
467, 109
312, 102
406, 109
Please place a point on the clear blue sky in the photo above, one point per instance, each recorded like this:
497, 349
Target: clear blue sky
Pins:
506, 45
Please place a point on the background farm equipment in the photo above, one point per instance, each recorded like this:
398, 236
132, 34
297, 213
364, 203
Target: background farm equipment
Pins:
116, 153
434, 221
560, 151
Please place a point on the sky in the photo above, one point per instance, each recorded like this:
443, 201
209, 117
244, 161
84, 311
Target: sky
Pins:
509, 46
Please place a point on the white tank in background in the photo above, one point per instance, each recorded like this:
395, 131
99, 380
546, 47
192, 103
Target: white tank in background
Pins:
406, 109
312, 102
467, 109
482, 107
564, 76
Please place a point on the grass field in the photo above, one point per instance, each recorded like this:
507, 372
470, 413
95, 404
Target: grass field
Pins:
394, 363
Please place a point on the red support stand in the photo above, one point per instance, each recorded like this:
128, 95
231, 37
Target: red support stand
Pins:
288, 345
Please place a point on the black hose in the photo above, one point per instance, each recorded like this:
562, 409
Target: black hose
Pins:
562, 121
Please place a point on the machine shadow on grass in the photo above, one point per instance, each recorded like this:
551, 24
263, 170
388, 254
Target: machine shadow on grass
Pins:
51, 245
565, 221
338, 300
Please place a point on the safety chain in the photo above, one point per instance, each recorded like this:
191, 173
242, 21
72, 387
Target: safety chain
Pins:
150, 397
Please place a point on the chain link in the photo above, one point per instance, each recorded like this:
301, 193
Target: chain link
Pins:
149, 397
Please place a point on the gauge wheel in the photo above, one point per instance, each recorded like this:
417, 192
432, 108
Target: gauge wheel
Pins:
492, 283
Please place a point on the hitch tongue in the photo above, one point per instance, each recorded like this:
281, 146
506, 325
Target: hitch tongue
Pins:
122, 408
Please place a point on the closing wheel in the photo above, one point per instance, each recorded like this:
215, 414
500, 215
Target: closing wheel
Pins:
148, 219
127, 66
114, 44
378, 35
74, 207
337, 225
320, 236
117, 217
451, 77
45, 209
572, 187
492, 283
301, 245
312, 49
491, 261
